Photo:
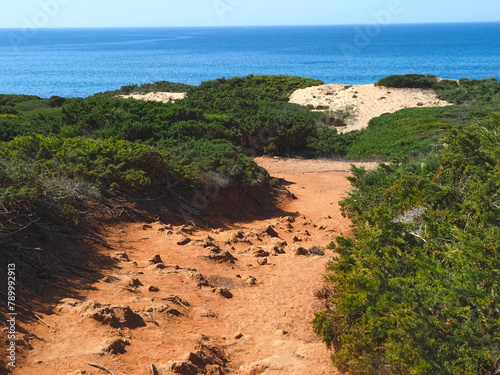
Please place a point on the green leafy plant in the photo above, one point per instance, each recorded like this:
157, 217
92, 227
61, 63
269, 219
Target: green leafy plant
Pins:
416, 291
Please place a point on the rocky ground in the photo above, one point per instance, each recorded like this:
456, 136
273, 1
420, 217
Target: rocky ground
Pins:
185, 299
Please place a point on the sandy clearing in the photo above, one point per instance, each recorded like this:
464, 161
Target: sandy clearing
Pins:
164, 97
365, 101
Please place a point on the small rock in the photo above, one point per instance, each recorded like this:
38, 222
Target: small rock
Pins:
207, 313
238, 237
115, 346
269, 230
158, 266
250, 280
155, 259
171, 311
146, 226
181, 367
153, 289
257, 252
297, 250
224, 292
296, 239
184, 241
238, 335
420, 104
225, 257
263, 261
187, 229
115, 316
133, 282
281, 332
279, 242
273, 249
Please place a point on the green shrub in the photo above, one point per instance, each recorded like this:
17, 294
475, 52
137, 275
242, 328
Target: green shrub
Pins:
158, 86
70, 214
485, 92
417, 291
408, 81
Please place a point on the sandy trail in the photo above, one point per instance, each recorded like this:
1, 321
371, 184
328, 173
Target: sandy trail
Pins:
365, 101
271, 305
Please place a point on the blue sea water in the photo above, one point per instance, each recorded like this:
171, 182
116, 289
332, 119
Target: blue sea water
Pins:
81, 62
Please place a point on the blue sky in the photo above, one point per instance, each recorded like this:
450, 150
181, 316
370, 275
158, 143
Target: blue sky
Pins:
164, 13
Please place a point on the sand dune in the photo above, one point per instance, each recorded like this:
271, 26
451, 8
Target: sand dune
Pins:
365, 101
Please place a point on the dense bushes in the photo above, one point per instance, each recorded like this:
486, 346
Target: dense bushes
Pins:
249, 112
252, 88
408, 80
159, 86
111, 165
472, 92
412, 131
417, 291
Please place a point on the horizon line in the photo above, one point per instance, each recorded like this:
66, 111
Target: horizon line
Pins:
252, 26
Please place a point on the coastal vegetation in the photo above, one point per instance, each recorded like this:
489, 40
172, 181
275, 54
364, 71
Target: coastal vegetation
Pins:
158, 86
408, 81
415, 291
126, 146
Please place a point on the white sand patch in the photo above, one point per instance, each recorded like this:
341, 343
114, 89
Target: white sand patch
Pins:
164, 97
365, 101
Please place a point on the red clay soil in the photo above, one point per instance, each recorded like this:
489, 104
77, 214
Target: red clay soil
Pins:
195, 309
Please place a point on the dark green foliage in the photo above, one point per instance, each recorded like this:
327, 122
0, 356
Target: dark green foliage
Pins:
57, 101
412, 131
485, 92
329, 142
19, 181
32, 115
159, 86
249, 112
251, 88
408, 80
219, 161
111, 165
417, 292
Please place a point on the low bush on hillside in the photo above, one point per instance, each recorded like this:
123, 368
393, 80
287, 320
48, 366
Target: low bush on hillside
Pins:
483, 92
408, 81
417, 290
158, 86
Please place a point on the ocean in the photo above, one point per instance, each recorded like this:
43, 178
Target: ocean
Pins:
81, 62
